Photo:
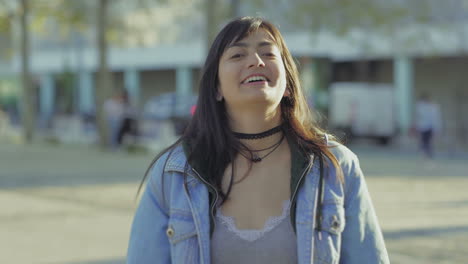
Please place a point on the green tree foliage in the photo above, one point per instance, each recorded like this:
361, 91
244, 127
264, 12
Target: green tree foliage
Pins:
341, 16
6, 17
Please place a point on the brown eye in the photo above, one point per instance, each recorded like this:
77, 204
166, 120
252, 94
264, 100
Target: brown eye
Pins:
235, 56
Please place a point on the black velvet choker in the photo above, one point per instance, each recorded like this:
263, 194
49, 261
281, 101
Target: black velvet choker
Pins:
260, 135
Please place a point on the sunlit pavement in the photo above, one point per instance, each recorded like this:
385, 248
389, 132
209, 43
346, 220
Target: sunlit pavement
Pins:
74, 204
422, 205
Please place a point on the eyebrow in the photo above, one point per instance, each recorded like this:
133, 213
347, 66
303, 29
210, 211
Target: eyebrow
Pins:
245, 45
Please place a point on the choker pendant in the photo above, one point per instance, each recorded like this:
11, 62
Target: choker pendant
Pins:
256, 158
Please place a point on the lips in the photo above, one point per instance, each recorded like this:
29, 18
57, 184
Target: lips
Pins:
255, 78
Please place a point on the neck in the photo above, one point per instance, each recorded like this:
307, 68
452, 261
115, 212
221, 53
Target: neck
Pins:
252, 122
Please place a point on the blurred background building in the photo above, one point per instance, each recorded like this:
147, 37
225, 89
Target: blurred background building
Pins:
64, 65
363, 68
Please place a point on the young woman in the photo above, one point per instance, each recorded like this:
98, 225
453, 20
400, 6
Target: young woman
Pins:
254, 179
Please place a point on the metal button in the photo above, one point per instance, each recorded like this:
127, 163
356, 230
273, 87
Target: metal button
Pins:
335, 222
170, 232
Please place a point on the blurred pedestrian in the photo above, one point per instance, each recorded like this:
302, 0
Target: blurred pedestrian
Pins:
128, 125
427, 123
253, 179
4, 121
114, 112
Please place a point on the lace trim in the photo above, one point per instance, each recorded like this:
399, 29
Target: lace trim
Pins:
254, 234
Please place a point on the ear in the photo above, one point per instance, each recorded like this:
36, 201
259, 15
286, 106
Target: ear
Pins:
219, 96
287, 92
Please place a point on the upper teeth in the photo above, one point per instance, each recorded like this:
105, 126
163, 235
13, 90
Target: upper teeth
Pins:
255, 78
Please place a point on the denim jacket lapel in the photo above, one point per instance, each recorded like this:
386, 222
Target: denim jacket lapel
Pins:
305, 220
197, 195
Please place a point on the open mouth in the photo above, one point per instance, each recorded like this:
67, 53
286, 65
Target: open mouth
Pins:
255, 79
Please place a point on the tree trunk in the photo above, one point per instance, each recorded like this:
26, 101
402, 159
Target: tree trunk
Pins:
210, 22
28, 104
103, 79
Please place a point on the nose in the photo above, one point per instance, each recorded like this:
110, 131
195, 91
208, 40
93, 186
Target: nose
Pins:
255, 61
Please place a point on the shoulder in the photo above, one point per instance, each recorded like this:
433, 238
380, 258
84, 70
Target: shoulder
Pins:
349, 166
343, 154
172, 159
161, 171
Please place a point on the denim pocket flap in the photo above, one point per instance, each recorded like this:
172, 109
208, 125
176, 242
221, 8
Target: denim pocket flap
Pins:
180, 229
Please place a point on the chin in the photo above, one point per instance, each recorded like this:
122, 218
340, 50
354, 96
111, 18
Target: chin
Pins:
257, 95
262, 99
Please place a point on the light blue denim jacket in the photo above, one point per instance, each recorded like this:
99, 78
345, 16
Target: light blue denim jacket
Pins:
172, 222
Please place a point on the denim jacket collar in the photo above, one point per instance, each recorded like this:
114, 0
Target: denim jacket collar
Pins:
301, 164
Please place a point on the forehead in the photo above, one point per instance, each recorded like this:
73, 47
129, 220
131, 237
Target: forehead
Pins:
258, 35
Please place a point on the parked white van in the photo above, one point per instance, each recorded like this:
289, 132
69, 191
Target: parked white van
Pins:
363, 110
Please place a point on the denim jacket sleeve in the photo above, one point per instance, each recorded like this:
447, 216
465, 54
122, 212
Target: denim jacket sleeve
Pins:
362, 239
148, 240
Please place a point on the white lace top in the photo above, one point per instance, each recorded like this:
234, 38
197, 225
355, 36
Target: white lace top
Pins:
275, 243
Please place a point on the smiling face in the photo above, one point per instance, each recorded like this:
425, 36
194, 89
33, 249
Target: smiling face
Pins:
251, 72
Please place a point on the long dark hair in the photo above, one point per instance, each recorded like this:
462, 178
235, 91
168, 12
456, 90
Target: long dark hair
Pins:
209, 137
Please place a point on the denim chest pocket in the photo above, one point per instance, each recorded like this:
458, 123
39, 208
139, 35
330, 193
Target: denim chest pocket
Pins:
183, 237
328, 239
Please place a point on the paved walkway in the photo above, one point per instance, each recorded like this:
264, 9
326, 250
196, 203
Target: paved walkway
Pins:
74, 204
422, 206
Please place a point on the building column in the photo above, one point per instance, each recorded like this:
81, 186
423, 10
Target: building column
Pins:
46, 98
86, 93
403, 81
321, 70
183, 85
308, 80
132, 86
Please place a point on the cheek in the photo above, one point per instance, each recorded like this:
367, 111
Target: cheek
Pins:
228, 76
282, 76
225, 74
